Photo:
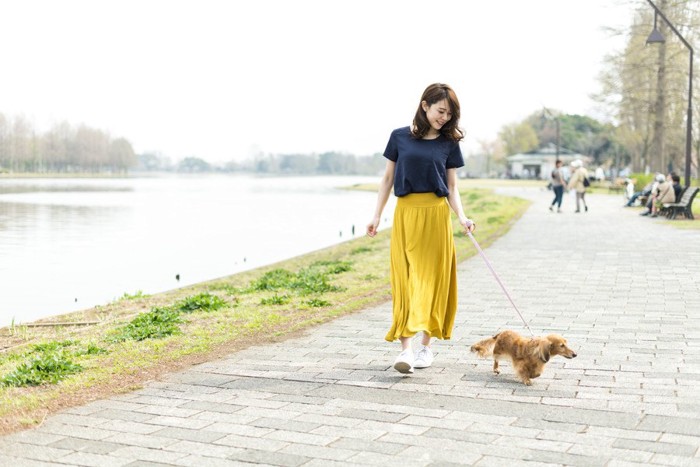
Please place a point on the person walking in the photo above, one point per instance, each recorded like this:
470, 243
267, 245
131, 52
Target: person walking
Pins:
422, 163
558, 186
577, 182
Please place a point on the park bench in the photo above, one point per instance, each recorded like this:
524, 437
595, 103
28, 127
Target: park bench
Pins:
616, 185
683, 206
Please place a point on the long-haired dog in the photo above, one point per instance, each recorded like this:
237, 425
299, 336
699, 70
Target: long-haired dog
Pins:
529, 356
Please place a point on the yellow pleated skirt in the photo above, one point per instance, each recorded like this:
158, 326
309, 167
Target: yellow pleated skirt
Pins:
423, 267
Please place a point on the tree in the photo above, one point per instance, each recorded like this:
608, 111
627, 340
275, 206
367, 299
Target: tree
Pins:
57, 143
336, 163
518, 137
21, 145
193, 165
121, 155
298, 164
4, 143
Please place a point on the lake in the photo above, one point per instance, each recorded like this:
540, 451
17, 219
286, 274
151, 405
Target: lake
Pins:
71, 244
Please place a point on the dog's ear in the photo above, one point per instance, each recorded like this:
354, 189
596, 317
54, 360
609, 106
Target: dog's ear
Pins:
543, 350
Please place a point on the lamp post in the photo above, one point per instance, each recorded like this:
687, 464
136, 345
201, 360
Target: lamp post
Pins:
556, 121
656, 37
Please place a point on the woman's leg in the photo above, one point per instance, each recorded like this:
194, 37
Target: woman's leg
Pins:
560, 195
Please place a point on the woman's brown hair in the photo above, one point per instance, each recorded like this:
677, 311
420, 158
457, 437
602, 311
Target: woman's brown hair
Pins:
432, 94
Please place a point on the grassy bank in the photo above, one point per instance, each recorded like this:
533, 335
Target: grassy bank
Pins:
78, 357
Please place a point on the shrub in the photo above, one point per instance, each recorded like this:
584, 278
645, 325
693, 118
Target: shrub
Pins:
203, 301
43, 367
157, 323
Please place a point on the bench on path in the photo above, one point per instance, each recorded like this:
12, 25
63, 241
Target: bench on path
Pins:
683, 206
616, 185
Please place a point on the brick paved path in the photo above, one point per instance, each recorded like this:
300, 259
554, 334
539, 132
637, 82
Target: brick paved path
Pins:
623, 289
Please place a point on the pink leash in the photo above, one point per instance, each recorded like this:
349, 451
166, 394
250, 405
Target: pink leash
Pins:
481, 252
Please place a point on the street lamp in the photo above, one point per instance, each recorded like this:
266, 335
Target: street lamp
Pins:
556, 121
656, 37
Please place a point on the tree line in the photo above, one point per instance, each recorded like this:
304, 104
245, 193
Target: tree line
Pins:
63, 148
327, 163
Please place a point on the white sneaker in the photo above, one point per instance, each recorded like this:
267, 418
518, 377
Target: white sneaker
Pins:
404, 362
424, 358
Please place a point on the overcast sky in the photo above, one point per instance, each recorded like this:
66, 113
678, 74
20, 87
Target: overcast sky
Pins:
223, 79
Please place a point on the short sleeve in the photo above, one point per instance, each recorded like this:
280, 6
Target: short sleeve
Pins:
455, 159
392, 151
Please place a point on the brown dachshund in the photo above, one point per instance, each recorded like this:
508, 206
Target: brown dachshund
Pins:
529, 356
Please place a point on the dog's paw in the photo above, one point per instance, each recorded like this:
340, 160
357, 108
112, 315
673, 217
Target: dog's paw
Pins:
496, 372
527, 382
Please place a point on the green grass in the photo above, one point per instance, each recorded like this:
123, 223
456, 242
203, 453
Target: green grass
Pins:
157, 323
43, 363
42, 368
203, 301
136, 295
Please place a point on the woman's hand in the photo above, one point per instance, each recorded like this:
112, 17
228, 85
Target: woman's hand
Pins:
372, 227
468, 224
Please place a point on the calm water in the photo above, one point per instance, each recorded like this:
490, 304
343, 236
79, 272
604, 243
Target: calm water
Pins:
69, 244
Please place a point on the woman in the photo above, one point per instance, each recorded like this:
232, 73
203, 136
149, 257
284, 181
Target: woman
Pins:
664, 194
558, 186
422, 168
576, 182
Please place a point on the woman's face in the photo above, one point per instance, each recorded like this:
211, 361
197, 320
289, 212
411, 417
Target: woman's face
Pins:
437, 114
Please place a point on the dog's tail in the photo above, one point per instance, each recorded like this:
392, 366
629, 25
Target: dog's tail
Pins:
484, 348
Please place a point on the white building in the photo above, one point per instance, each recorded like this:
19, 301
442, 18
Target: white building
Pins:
539, 163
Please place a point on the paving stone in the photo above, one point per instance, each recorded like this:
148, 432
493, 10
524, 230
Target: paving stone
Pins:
247, 442
363, 445
657, 447
333, 453
31, 437
133, 439
288, 425
24, 462
202, 449
126, 426
32, 452
683, 426
676, 461
146, 464
374, 458
148, 454
438, 456
87, 445
97, 460
211, 406
179, 422
75, 431
117, 414
300, 438
269, 458
189, 435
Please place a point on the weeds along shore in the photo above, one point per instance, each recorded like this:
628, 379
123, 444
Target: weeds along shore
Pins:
74, 358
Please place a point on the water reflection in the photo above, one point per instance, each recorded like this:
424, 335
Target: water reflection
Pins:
94, 240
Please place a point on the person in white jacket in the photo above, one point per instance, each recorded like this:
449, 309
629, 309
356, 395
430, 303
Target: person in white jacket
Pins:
576, 182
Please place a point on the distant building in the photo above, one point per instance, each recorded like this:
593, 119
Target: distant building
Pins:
539, 163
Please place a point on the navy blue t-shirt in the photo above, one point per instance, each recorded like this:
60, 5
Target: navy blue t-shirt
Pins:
421, 164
